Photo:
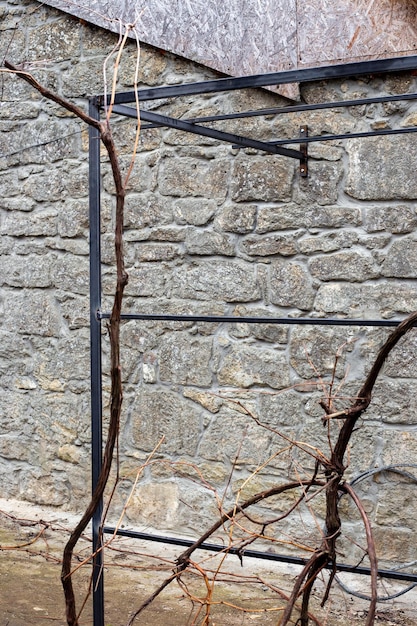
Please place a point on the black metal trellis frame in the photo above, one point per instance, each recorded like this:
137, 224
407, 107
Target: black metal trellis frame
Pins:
196, 126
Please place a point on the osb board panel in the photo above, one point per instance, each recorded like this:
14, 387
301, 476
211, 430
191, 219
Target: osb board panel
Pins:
235, 37
240, 37
347, 30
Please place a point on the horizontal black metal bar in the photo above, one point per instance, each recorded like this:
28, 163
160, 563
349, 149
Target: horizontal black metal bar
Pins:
255, 554
196, 129
368, 133
313, 321
297, 108
327, 72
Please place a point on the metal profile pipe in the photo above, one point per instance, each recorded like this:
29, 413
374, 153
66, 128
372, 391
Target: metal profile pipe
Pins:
255, 554
311, 74
313, 321
95, 357
297, 108
243, 142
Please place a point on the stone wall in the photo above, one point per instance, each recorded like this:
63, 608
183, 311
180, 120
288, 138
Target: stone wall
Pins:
209, 230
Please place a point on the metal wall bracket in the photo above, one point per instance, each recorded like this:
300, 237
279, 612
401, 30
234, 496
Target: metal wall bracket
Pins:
304, 151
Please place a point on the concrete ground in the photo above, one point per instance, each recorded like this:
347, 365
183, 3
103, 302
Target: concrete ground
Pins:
30, 589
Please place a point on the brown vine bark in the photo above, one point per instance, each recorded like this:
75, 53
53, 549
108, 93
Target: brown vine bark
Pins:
114, 334
334, 472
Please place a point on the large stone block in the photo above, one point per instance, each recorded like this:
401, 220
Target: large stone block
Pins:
155, 504
245, 366
193, 177
401, 259
35, 224
10, 185
206, 243
185, 359
282, 245
58, 40
72, 274
402, 360
379, 168
394, 401
394, 219
328, 242
233, 436
195, 212
159, 252
45, 186
27, 271
213, 280
366, 301
146, 280
73, 219
152, 66
144, 210
350, 266
294, 216
291, 286
266, 178
322, 185
61, 362
75, 310
16, 204
399, 445
32, 312
237, 219
272, 333
318, 351
285, 409
48, 140
395, 545
42, 487
161, 413
396, 502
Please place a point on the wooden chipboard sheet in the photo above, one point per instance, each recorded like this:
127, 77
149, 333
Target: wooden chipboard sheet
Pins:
241, 37
235, 37
331, 31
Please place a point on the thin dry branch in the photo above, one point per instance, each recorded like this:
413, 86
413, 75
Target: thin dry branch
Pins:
114, 333
184, 558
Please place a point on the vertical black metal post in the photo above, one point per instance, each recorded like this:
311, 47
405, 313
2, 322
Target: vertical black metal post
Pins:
95, 356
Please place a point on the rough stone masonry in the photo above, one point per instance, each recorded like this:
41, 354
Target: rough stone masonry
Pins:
209, 230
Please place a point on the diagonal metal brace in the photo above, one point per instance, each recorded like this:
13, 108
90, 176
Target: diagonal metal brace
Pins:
189, 127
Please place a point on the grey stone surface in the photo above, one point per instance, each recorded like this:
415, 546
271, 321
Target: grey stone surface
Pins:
290, 216
186, 360
322, 185
196, 212
291, 286
34, 313
237, 219
351, 266
209, 243
366, 301
271, 333
193, 177
396, 219
265, 178
226, 280
157, 414
270, 245
317, 352
245, 366
379, 169
401, 259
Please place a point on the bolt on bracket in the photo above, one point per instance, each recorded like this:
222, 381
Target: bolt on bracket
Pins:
304, 151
